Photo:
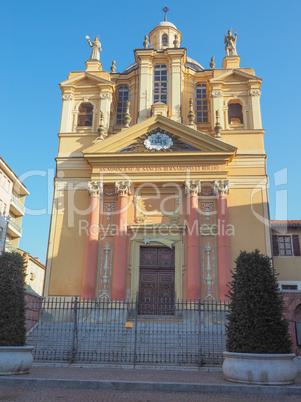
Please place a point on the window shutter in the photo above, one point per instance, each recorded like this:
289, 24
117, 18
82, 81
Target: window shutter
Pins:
275, 245
296, 245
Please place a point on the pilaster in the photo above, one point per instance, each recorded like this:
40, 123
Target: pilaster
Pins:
90, 268
66, 120
223, 241
122, 188
144, 57
192, 189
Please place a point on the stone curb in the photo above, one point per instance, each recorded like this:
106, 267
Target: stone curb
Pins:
151, 386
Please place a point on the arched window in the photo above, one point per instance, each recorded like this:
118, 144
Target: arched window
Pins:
235, 113
201, 104
160, 83
124, 95
85, 115
164, 40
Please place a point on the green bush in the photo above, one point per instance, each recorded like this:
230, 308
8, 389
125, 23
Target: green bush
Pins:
255, 320
12, 300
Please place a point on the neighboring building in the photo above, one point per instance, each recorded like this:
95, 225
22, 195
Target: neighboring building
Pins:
12, 198
159, 195
286, 236
35, 273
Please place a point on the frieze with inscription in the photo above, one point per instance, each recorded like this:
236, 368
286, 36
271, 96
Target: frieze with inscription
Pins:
135, 169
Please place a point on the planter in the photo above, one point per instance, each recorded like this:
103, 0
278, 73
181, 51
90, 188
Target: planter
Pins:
15, 359
265, 369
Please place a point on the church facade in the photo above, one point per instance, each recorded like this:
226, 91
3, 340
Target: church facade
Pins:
161, 175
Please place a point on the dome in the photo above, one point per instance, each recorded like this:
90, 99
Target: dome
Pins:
130, 68
166, 24
194, 65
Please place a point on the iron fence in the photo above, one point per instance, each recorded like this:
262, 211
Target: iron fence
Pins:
130, 332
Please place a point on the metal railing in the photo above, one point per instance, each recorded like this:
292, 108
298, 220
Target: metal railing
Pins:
18, 204
15, 226
128, 332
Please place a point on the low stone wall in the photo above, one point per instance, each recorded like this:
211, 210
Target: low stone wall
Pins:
33, 309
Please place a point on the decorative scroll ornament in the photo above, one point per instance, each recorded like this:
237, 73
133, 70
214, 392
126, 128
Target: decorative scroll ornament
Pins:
207, 208
161, 240
192, 187
95, 188
105, 270
109, 207
67, 97
254, 93
109, 191
216, 94
158, 141
222, 187
207, 189
208, 272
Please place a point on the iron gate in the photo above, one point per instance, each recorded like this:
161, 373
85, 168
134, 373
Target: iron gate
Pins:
105, 331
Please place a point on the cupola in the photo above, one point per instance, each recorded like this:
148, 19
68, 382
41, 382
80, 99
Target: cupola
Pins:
163, 35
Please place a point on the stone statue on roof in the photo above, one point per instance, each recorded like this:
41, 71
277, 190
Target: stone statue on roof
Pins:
230, 42
96, 48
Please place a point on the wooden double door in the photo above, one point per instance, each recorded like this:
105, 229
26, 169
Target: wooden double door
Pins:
157, 280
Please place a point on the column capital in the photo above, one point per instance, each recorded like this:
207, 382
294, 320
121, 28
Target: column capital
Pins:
122, 188
192, 187
222, 187
95, 188
67, 97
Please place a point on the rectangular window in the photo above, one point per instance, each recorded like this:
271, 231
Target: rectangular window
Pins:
289, 287
160, 84
201, 104
286, 246
124, 96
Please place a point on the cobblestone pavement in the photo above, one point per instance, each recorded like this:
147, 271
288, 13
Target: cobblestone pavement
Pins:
49, 394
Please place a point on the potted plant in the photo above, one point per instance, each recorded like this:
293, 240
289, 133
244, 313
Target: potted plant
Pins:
15, 357
258, 345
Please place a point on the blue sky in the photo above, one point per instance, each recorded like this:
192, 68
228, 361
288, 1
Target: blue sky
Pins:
42, 41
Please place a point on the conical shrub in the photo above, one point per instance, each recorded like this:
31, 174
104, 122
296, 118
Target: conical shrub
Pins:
255, 320
12, 300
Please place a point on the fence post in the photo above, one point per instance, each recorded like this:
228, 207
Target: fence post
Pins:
200, 331
74, 332
136, 329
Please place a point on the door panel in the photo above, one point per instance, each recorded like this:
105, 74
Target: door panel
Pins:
157, 280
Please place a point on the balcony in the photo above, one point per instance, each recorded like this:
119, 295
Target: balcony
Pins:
10, 249
16, 206
13, 229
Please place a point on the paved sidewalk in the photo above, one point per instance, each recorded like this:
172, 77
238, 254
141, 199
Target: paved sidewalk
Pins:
140, 381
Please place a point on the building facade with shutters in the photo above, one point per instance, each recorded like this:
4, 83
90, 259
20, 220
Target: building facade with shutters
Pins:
286, 253
12, 209
161, 176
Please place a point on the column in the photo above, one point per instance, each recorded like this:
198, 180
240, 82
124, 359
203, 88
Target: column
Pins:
223, 240
193, 241
90, 267
120, 254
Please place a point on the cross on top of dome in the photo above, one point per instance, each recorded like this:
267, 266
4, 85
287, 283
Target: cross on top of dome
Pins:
165, 9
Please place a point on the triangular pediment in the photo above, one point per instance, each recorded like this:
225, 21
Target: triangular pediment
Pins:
235, 75
184, 139
84, 79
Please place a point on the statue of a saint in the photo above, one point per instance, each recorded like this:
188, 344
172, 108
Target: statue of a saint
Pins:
230, 42
96, 48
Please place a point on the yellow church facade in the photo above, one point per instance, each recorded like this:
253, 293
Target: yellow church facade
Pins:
161, 175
